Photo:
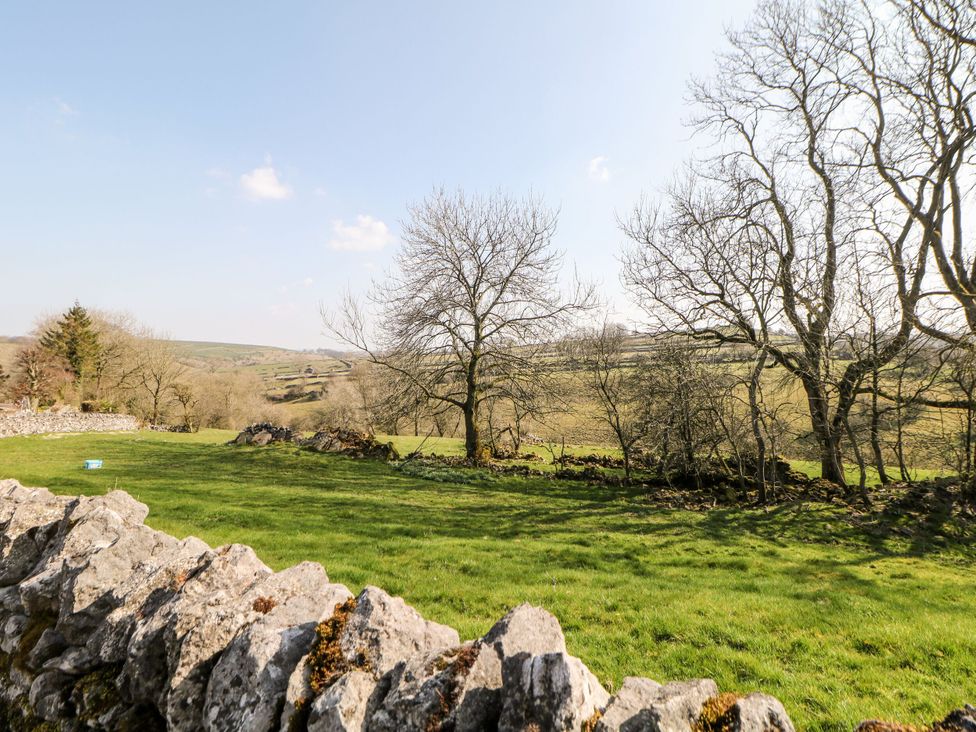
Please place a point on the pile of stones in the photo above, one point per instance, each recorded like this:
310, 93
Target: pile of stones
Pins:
352, 443
264, 433
338, 440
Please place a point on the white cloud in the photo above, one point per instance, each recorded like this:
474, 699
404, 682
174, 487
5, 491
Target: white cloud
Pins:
366, 235
307, 282
263, 183
65, 109
599, 170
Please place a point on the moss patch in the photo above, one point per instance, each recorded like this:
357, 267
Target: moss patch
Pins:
457, 663
326, 661
716, 714
96, 693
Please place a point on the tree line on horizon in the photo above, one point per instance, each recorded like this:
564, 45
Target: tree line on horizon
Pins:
106, 362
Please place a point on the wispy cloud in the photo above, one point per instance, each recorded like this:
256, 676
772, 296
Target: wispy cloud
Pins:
264, 184
598, 169
366, 235
65, 109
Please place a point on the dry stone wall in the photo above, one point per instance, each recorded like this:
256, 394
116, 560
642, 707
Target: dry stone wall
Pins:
36, 423
107, 624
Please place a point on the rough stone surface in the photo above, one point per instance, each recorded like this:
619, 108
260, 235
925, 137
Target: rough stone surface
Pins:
344, 705
554, 691
38, 423
644, 705
384, 630
106, 624
760, 713
249, 681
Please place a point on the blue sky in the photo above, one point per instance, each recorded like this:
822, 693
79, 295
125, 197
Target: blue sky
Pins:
218, 169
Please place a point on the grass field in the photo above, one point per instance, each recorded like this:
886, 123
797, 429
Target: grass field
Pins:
838, 623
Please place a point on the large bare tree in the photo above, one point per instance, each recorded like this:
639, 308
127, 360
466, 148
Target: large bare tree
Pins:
761, 242
472, 301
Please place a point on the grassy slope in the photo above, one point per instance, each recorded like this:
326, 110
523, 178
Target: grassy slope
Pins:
792, 601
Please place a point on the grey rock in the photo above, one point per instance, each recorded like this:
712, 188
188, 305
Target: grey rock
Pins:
29, 521
644, 705
554, 691
125, 506
50, 644
87, 530
248, 683
961, 720
173, 649
759, 713
49, 695
13, 630
419, 695
385, 631
153, 581
381, 633
261, 439
344, 706
524, 631
74, 661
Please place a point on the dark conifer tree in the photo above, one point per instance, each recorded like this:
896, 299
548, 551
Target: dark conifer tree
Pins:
74, 338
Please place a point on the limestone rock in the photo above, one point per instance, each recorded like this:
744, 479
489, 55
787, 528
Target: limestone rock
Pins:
344, 705
554, 691
172, 651
384, 630
29, 520
380, 633
424, 692
248, 683
153, 580
524, 631
50, 645
758, 713
644, 705
49, 695
960, 720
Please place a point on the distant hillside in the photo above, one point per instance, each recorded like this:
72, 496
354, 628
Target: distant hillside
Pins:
9, 345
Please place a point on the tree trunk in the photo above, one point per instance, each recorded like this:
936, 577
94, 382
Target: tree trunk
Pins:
756, 420
472, 437
828, 441
862, 468
876, 431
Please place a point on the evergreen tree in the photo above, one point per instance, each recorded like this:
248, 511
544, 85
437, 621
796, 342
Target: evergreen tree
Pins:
74, 338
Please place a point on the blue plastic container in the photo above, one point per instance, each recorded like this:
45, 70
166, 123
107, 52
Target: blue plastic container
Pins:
93, 464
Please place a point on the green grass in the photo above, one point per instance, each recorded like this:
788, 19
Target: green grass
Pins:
454, 446
841, 625
853, 475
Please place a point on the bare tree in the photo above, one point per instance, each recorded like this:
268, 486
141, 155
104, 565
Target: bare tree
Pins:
471, 303
184, 395
614, 379
38, 375
758, 246
159, 371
